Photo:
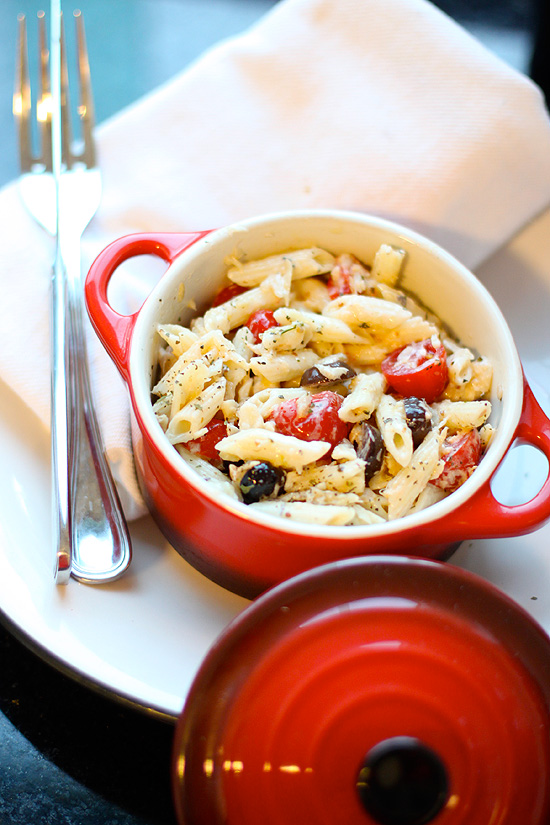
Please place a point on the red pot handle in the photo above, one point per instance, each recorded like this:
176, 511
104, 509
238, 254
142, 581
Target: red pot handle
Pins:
482, 516
115, 330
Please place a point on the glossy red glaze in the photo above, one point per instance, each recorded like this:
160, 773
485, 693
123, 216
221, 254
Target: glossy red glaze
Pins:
236, 558
482, 512
224, 541
114, 329
318, 671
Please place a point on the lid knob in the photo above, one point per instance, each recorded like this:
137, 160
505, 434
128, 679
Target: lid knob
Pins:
402, 782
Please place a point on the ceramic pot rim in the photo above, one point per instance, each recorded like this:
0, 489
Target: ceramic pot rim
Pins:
140, 388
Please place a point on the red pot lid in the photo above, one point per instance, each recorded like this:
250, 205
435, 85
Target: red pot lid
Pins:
381, 690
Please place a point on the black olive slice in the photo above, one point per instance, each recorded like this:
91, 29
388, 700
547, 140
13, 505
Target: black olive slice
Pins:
314, 377
419, 418
369, 446
263, 480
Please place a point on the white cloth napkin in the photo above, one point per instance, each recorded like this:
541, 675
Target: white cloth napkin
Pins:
382, 106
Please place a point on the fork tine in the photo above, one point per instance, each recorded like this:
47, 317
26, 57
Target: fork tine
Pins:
44, 104
22, 98
86, 103
66, 154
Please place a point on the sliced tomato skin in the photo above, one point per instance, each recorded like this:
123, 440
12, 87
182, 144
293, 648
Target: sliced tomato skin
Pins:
259, 321
340, 285
205, 446
227, 293
461, 455
418, 369
319, 423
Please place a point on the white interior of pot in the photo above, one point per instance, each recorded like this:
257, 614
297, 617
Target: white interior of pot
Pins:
442, 284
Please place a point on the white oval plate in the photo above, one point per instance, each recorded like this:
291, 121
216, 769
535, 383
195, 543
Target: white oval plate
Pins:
141, 639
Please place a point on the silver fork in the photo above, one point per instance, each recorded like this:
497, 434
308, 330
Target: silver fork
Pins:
90, 533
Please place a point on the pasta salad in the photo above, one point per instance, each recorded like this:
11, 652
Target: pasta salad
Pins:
315, 389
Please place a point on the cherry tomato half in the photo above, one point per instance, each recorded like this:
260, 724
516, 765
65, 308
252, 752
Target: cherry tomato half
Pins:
339, 283
461, 455
205, 446
318, 421
418, 369
227, 293
259, 321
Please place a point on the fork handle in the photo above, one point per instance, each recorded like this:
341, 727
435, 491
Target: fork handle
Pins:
101, 545
60, 429
100, 538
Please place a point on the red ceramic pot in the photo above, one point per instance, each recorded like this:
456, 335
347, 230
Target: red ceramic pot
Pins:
374, 691
224, 539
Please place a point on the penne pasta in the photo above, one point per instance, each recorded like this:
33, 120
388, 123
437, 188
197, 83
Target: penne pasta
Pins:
397, 436
210, 473
190, 382
387, 264
463, 415
411, 330
189, 422
280, 450
288, 391
322, 328
302, 263
366, 394
469, 378
255, 410
306, 512
293, 336
270, 294
279, 368
310, 294
405, 487
178, 338
366, 312
347, 477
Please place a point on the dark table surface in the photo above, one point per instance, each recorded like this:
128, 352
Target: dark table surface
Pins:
68, 755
